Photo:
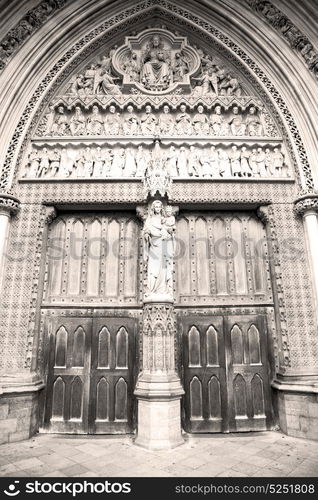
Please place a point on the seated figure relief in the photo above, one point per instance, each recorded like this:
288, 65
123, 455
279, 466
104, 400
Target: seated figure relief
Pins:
166, 122
155, 65
178, 161
156, 61
149, 122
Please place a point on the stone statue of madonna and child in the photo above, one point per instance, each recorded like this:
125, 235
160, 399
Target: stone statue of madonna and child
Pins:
159, 248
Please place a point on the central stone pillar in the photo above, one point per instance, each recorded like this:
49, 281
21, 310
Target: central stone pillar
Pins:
158, 389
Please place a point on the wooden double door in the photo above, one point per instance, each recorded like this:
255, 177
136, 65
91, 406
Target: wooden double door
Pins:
225, 373
90, 378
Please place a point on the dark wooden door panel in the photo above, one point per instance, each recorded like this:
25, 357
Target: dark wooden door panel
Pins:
249, 372
68, 375
90, 375
112, 375
226, 373
204, 375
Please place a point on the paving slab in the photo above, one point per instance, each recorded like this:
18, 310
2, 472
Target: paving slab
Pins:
264, 454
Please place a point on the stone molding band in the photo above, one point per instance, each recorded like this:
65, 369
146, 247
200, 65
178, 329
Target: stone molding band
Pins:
25, 28
306, 202
297, 41
9, 204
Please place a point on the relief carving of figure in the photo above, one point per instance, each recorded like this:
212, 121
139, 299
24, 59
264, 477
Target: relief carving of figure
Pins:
180, 67
79, 85
88, 162
95, 122
253, 163
253, 124
159, 251
268, 162
230, 86
194, 166
236, 124
171, 162
214, 162
155, 70
245, 163
235, 161
78, 122
166, 122
260, 160
130, 163
217, 121
182, 164
89, 76
183, 120
205, 164
119, 162
98, 162
112, 122
278, 162
44, 163
148, 122
207, 83
132, 68
108, 163
46, 124
55, 162
60, 126
200, 122
131, 122
157, 178
107, 84
33, 164
141, 161
224, 164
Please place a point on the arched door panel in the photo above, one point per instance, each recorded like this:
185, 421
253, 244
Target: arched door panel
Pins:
229, 389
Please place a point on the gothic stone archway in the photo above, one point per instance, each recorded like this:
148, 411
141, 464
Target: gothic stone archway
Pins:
162, 113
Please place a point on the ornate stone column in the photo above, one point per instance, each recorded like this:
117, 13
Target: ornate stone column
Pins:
158, 387
307, 207
8, 206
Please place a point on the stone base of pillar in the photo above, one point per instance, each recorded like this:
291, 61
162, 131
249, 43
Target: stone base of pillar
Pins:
159, 424
19, 406
159, 411
296, 397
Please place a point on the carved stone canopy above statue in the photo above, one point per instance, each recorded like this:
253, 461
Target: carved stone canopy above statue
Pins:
157, 61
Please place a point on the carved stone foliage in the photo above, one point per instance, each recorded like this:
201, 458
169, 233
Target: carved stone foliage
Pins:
32, 20
284, 26
9, 204
306, 202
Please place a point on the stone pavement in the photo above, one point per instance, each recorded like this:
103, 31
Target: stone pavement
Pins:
253, 454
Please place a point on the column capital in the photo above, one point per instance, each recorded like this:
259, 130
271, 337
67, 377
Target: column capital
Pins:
9, 204
263, 214
306, 202
50, 214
